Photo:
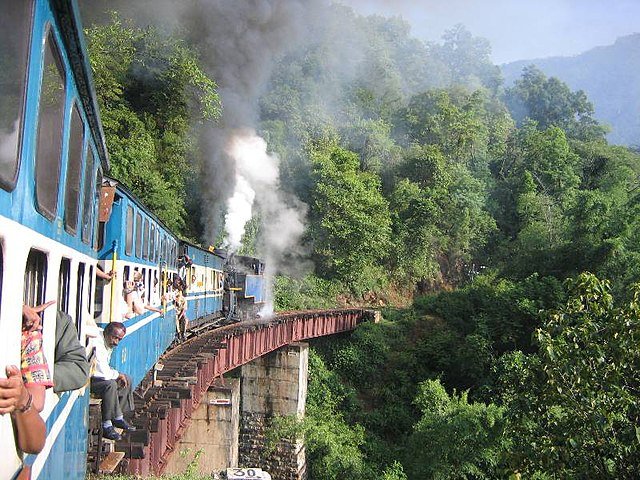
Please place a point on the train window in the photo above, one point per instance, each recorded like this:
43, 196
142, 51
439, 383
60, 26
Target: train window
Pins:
149, 286
100, 236
97, 297
15, 29
72, 189
87, 196
90, 290
174, 254
96, 206
35, 278
129, 238
126, 273
64, 281
145, 239
138, 235
165, 251
152, 254
49, 144
79, 297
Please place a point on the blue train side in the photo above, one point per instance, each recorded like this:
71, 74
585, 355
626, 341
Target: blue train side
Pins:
52, 156
62, 220
202, 272
132, 239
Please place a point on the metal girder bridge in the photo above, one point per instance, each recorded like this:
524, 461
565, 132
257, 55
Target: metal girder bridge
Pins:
170, 393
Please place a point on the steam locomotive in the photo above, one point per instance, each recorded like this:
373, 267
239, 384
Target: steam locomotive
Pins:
62, 220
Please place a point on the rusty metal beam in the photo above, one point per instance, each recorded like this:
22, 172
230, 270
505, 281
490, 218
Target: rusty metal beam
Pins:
168, 400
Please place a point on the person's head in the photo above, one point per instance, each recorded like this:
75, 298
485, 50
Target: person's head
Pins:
113, 333
137, 276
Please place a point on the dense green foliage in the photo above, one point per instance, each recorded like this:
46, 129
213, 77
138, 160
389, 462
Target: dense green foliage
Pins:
424, 178
151, 90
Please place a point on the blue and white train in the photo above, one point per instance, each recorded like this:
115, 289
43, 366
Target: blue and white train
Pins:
61, 220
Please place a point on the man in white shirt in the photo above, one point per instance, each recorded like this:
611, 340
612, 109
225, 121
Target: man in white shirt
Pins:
113, 387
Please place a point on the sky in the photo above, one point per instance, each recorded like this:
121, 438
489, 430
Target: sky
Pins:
517, 29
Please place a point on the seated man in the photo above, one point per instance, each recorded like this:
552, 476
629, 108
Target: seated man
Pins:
113, 387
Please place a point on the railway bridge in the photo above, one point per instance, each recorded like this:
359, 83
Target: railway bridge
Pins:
185, 404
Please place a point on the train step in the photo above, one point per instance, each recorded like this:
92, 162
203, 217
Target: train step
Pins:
111, 461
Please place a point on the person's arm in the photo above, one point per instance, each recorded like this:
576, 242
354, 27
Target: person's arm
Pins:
22, 403
152, 308
70, 368
105, 276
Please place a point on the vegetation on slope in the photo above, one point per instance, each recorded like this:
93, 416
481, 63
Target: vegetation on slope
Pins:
423, 175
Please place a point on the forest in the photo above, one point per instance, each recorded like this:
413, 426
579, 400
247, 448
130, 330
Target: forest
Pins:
494, 227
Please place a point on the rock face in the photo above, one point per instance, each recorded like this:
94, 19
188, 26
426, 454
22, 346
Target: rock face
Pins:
273, 385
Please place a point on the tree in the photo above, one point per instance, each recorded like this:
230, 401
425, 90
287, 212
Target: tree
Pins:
550, 102
151, 91
350, 223
454, 439
573, 408
468, 58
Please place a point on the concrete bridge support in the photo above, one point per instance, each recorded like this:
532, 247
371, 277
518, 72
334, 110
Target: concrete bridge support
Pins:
213, 432
273, 385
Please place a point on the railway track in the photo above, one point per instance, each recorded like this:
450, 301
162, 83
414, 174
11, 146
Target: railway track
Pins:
170, 393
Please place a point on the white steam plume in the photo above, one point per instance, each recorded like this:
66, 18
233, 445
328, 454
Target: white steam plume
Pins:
241, 41
257, 177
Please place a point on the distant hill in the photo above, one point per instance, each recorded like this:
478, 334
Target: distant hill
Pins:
609, 75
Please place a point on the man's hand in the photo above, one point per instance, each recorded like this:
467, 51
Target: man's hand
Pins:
13, 394
31, 315
122, 380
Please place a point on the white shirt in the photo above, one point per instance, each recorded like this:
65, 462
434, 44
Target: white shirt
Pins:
103, 356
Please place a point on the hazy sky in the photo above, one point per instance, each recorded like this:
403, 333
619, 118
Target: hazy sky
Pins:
517, 29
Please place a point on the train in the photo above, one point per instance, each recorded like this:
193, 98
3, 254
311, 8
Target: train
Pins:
64, 223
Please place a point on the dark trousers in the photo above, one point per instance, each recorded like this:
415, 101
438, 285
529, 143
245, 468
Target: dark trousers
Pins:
116, 400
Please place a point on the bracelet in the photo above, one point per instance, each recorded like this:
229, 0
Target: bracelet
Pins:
27, 406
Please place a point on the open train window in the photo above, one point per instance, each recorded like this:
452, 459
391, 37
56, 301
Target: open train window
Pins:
64, 283
35, 278
79, 297
145, 239
87, 196
138, 235
128, 247
97, 297
100, 236
51, 115
15, 36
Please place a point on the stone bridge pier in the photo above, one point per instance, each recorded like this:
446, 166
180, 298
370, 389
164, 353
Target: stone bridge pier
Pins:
229, 427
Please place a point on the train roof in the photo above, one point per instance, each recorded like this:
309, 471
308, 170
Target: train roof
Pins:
215, 251
67, 16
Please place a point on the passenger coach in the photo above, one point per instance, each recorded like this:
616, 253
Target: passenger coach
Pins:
52, 156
